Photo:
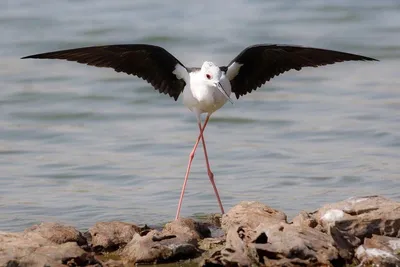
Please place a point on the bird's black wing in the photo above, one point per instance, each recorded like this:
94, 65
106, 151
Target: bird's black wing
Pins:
151, 63
257, 64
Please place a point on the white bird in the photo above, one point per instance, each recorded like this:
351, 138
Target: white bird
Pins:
205, 89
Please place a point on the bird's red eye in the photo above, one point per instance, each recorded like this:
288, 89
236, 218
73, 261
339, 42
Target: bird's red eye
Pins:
208, 76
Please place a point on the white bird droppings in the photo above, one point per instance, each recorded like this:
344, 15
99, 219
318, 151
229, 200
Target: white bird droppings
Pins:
332, 215
394, 244
373, 253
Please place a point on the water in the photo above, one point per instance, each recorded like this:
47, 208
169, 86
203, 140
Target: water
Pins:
80, 144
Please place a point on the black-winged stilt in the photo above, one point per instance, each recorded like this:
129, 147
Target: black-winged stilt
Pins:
204, 89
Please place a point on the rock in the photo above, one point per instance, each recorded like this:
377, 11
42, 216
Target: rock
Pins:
59, 252
258, 235
32, 260
237, 250
57, 233
276, 245
86, 259
109, 236
177, 241
305, 219
210, 246
364, 216
113, 263
157, 248
379, 251
239, 224
47, 244
363, 231
210, 243
294, 243
376, 257
352, 220
391, 244
251, 214
187, 230
214, 219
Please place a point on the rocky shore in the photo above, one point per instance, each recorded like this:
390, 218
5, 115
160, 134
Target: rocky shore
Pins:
363, 231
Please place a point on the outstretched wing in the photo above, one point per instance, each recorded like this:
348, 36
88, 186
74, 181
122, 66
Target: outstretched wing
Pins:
151, 63
257, 64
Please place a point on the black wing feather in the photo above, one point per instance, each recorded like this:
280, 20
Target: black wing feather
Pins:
263, 62
151, 63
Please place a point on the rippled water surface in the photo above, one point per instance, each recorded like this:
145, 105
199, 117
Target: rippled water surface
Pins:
80, 144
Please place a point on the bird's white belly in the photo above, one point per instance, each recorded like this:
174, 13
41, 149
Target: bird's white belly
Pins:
205, 99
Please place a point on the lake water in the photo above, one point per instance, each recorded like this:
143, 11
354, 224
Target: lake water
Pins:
80, 144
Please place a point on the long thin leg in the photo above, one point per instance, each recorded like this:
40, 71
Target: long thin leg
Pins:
210, 173
191, 155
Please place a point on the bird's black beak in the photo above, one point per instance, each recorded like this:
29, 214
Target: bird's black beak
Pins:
222, 90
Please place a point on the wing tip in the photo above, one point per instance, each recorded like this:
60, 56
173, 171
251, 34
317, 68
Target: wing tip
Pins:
372, 59
36, 56
364, 58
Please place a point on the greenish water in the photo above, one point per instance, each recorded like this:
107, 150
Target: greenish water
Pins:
81, 145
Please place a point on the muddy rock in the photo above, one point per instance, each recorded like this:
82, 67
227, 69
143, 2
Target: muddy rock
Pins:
178, 240
109, 236
250, 214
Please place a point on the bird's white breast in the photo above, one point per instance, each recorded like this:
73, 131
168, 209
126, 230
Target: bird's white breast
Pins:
203, 98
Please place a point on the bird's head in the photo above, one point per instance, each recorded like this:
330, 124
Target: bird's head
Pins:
211, 72
212, 75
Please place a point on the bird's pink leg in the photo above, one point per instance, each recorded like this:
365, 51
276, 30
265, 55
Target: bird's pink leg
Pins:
210, 173
189, 165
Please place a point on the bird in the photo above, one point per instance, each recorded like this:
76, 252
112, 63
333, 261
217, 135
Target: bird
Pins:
207, 88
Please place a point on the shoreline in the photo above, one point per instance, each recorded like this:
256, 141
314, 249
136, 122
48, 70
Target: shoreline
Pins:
358, 230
